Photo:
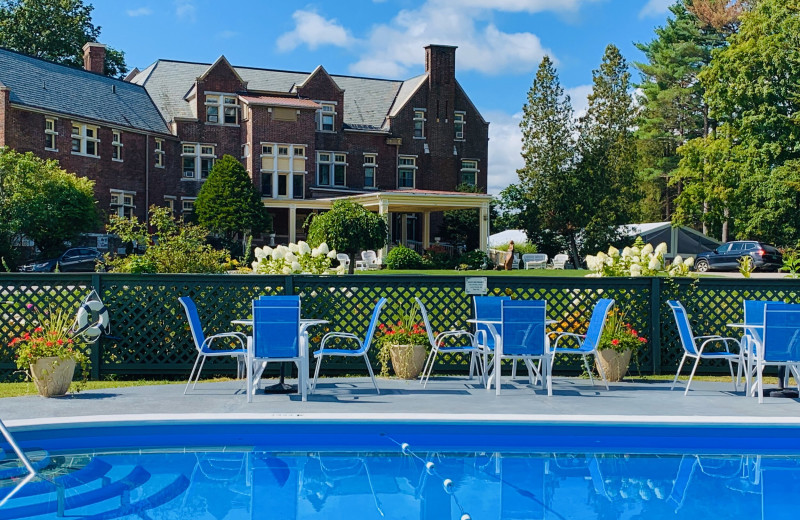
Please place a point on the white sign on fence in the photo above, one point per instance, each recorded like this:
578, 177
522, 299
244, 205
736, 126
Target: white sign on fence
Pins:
476, 285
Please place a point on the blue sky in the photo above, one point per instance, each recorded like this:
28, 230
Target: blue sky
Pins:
500, 43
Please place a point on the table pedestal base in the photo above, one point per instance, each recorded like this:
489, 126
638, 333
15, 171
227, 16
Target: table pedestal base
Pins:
787, 393
280, 388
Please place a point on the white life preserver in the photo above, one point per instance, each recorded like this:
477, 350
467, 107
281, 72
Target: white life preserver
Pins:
92, 320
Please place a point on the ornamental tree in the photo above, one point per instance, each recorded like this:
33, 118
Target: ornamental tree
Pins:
349, 228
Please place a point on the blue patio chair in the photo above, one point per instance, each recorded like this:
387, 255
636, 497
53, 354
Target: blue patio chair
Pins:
276, 338
523, 337
438, 344
691, 350
204, 344
487, 308
751, 339
781, 345
362, 350
589, 341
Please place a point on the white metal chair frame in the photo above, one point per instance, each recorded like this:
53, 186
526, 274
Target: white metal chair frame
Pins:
438, 344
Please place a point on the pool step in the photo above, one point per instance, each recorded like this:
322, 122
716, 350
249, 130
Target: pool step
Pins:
12, 468
94, 470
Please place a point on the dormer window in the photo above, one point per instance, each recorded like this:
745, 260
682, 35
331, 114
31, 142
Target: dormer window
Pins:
222, 108
326, 118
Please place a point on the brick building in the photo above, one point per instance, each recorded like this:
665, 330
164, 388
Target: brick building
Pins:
398, 147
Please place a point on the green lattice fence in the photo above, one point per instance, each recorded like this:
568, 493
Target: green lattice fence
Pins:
150, 332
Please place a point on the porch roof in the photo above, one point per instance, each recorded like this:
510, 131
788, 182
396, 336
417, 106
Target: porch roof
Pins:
395, 201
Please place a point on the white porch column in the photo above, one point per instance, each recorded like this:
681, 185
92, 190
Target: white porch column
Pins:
404, 229
383, 211
426, 229
292, 223
484, 226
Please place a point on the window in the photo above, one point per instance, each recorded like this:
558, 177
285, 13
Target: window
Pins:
469, 172
331, 169
84, 140
169, 202
160, 153
187, 205
283, 169
122, 203
326, 118
370, 165
419, 123
228, 105
116, 145
406, 168
459, 124
197, 160
50, 134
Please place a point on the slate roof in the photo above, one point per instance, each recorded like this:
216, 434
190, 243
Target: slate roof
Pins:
280, 102
64, 90
367, 101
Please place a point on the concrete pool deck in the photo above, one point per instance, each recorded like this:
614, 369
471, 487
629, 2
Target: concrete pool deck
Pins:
445, 399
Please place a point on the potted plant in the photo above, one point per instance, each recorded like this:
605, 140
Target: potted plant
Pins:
618, 343
50, 351
404, 341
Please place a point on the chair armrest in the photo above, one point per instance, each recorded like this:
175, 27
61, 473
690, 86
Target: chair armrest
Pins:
343, 335
239, 336
712, 339
568, 335
439, 339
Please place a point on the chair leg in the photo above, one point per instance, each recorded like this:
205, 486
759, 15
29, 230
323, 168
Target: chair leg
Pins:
602, 373
514, 369
191, 374
371, 375
588, 370
197, 376
302, 378
733, 378
248, 391
680, 367
426, 372
316, 374
760, 382
691, 376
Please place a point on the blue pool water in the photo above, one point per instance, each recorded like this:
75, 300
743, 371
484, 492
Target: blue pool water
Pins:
373, 470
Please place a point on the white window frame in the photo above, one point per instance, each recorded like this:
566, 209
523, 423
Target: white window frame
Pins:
419, 123
50, 131
198, 152
160, 153
284, 150
224, 105
472, 169
116, 146
187, 202
333, 160
328, 109
412, 165
371, 162
459, 120
122, 202
86, 138
169, 200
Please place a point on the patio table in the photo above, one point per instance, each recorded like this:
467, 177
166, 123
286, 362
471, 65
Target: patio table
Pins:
305, 323
768, 392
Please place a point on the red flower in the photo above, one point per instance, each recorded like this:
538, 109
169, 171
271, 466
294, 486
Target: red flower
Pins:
643, 340
38, 329
615, 342
60, 341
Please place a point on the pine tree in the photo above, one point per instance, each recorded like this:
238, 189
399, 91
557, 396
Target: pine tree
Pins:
228, 203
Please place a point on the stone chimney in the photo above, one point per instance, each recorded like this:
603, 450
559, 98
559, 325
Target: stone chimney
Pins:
94, 57
440, 63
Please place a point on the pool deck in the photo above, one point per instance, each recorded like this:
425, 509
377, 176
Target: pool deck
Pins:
445, 399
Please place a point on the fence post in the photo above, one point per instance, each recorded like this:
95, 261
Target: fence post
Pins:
655, 323
94, 354
288, 286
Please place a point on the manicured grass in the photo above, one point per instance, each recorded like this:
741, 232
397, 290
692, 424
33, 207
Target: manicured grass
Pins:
28, 388
453, 272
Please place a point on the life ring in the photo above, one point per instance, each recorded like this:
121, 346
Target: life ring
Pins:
92, 320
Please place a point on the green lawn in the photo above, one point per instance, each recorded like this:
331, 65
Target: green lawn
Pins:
453, 272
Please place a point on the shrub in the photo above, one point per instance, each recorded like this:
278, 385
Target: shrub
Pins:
523, 248
402, 257
475, 260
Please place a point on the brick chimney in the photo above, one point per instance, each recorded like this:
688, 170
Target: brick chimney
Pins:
440, 63
94, 57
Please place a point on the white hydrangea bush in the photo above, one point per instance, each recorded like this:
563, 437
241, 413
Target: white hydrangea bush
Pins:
638, 260
299, 258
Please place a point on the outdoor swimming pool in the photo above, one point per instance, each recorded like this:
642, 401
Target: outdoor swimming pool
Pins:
372, 470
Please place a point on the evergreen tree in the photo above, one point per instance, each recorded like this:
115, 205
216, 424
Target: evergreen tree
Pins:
54, 30
545, 197
228, 203
608, 192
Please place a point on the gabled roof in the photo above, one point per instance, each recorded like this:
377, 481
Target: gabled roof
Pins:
409, 88
319, 70
280, 102
367, 101
86, 95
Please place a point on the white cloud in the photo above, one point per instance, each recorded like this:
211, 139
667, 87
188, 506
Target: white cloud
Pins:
185, 9
505, 148
225, 35
517, 6
482, 46
314, 31
141, 11
579, 97
655, 8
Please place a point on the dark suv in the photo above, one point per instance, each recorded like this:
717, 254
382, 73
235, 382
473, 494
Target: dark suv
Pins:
75, 259
726, 257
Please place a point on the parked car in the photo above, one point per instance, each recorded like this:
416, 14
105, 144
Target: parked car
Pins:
726, 257
75, 259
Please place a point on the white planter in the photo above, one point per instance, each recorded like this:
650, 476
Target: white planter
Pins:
53, 375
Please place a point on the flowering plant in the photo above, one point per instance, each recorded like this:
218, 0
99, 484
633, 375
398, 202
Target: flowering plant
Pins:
294, 258
639, 260
404, 330
51, 337
620, 335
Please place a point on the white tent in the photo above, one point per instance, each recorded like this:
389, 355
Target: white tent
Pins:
504, 237
680, 240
